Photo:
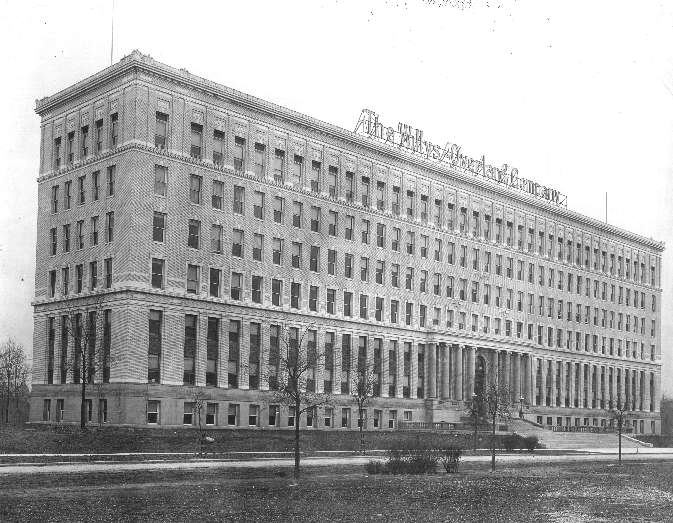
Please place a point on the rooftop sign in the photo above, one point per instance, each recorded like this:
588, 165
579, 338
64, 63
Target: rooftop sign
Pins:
410, 140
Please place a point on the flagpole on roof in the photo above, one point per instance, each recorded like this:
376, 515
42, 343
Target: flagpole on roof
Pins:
112, 39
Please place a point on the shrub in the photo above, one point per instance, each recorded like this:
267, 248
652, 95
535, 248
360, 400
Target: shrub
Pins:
375, 467
411, 460
530, 442
512, 441
450, 459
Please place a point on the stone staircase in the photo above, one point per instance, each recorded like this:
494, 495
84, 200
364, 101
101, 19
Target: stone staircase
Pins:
572, 440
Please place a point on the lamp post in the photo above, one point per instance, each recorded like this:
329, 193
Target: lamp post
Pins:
521, 406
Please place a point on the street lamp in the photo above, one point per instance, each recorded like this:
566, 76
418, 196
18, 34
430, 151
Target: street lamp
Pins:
521, 406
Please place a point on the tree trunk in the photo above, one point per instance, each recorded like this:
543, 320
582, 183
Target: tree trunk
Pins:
620, 445
493, 447
362, 434
7, 399
297, 404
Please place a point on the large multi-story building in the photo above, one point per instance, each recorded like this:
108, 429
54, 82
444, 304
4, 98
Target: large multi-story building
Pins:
198, 222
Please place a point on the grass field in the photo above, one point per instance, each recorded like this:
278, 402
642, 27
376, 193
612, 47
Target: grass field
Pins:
578, 492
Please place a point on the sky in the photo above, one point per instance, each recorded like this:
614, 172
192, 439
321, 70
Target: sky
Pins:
577, 95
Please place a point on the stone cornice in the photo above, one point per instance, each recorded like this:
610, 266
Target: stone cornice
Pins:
137, 61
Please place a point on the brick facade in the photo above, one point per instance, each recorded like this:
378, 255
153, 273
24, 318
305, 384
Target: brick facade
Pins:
550, 375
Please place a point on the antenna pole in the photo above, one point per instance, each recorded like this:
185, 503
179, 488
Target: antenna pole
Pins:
606, 206
112, 40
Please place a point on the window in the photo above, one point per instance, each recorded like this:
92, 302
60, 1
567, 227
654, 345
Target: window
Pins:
218, 147
109, 226
236, 286
253, 414
348, 265
192, 279
313, 298
194, 232
114, 130
411, 242
296, 255
66, 238
364, 268
378, 314
70, 147
297, 168
215, 282
258, 205
195, 182
93, 275
364, 303
257, 247
188, 413
315, 176
274, 415
81, 192
157, 273
46, 410
65, 280
315, 219
237, 243
232, 415
314, 264
345, 417
196, 147
110, 180
394, 310
260, 156
154, 349
278, 209
333, 223
160, 180
57, 152
276, 292
348, 302
108, 273
211, 413
295, 295
54, 241
153, 412
348, 227
331, 298
216, 239
380, 270
79, 277
296, 214
54, 199
277, 250
94, 230
278, 166
160, 130
332, 175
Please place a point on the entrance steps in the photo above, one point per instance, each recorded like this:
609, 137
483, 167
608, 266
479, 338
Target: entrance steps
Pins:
573, 440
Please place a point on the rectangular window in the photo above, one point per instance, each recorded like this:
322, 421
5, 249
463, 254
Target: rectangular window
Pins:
215, 282
331, 299
237, 243
160, 180
332, 176
81, 190
195, 183
192, 279
297, 169
313, 298
108, 272
79, 278
277, 250
160, 130
70, 147
257, 247
153, 412
216, 239
218, 148
278, 166
295, 295
189, 348
110, 180
93, 275
218, 195
260, 157
296, 255
196, 146
315, 219
157, 273
66, 238
194, 233
296, 214
276, 292
257, 284
315, 176
109, 226
258, 205
236, 285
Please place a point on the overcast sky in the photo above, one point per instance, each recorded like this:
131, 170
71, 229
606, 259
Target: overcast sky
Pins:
577, 95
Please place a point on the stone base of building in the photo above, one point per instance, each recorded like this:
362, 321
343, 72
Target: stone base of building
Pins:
133, 404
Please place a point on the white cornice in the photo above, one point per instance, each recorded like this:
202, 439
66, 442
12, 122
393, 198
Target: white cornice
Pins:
138, 61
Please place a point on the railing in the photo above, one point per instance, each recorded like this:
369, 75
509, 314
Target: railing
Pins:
588, 429
424, 425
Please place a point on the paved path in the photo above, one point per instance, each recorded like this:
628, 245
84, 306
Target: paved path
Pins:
107, 466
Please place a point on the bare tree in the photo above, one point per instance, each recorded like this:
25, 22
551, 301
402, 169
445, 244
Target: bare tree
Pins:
90, 355
13, 377
619, 412
198, 400
497, 405
295, 383
364, 388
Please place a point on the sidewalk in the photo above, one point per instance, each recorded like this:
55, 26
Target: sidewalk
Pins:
587, 455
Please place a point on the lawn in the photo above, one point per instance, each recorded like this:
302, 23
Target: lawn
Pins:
570, 492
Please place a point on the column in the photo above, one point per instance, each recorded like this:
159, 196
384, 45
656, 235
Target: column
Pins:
336, 373
458, 373
543, 381
244, 355
508, 375
430, 350
264, 357
494, 364
580, 385
554, 384
639, 405
564, 384
469, 373
385, 368
517, 376
413, 375
646, 391
622, 386
590, 387
400, 369
445, 367
657, 391
530, 379
573, 384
